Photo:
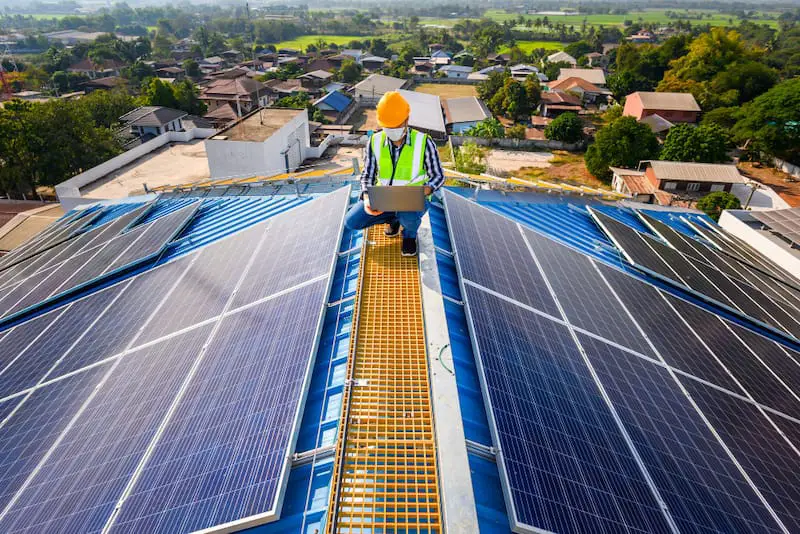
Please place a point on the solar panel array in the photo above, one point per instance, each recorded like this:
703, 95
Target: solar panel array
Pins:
785, 223
168, 402
616, 406
709, 282
123, 250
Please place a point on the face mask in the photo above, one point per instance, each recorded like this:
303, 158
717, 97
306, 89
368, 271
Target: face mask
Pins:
395, 134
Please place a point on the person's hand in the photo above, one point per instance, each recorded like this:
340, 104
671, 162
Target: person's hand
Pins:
428, 190
368, 208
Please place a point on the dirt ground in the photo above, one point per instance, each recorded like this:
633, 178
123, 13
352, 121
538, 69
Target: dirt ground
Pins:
782, 183
446, 90
512, 160
564, 167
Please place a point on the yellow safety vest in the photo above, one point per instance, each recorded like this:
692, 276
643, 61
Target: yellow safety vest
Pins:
410, 166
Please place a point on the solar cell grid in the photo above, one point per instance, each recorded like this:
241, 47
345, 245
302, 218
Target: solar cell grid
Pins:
634, 246
84, 476
702, 487
201, 293
586, 299
677, 343
299, 245
495, 255
36, 360
30, 432
121, 323
22, 335
772, 465
567, 465
754, 377
223, 453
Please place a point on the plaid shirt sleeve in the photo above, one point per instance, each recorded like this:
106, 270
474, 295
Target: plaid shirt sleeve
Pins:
433, 165
370, 169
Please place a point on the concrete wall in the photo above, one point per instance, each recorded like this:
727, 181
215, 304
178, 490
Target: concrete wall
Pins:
515, 144
779, 252
788, 168
68, 192
231, 159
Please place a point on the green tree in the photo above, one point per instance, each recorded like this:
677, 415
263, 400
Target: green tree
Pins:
743, 82
567, 128
623, 143
551, 70
157, 93
187, 98
488, 129
106, 107
703, 144
350, 71
621, 84
516, 132
713, 203
772, 121
492, 85
471, 159
722, 117
192, 68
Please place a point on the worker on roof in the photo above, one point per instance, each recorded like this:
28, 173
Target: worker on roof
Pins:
396, 155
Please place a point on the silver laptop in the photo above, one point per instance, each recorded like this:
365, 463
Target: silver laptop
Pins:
397, 197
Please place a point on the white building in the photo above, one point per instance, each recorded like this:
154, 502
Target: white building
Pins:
456, 71
769, 232
266, 142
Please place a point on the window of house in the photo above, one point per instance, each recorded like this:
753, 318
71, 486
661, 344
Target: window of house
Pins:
670, 186
718, 187
693, 186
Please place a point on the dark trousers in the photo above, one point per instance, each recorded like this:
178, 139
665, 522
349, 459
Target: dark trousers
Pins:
358, 219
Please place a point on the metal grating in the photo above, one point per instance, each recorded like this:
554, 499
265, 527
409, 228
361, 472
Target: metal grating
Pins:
386, 471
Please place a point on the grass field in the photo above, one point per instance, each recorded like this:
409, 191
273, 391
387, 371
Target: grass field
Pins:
714, 18
40, 16
302, 42
446, 90
529, 46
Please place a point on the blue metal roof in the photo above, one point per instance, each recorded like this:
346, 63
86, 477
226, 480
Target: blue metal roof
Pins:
336, 100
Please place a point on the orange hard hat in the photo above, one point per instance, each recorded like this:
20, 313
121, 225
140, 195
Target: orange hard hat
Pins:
393, 110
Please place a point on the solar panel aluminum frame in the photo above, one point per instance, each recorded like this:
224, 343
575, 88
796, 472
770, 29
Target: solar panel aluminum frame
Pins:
75, 289
684, 287
274, 514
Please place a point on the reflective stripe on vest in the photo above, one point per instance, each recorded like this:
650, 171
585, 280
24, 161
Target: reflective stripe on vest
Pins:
409, 169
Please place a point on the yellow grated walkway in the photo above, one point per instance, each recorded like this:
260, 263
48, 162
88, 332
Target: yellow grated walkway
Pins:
386, 476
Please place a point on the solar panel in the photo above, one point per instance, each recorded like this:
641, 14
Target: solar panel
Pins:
18, 339
753, 375
675, 341
121, 323
134, 246
92, 238
586, 299
30, 432
223, 455
701, 485
202, 292
696, 275
35, 361
79, 484
493, 254
785, 222
769, 460
299, 245
566, 463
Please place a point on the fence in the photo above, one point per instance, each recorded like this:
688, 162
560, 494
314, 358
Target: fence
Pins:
518, 144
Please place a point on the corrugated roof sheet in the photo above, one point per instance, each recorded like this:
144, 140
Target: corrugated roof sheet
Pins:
466, 109
336, 100
378, 84
695, 172
668, 101
426, 111
595, 76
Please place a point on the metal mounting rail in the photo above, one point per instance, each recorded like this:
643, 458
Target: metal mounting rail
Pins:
385, 474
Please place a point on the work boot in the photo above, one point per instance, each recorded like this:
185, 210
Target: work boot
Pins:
392, 229
409, 246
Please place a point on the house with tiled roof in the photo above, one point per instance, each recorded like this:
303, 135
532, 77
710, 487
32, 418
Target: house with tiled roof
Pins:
103, 69
674, 107
587, 91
